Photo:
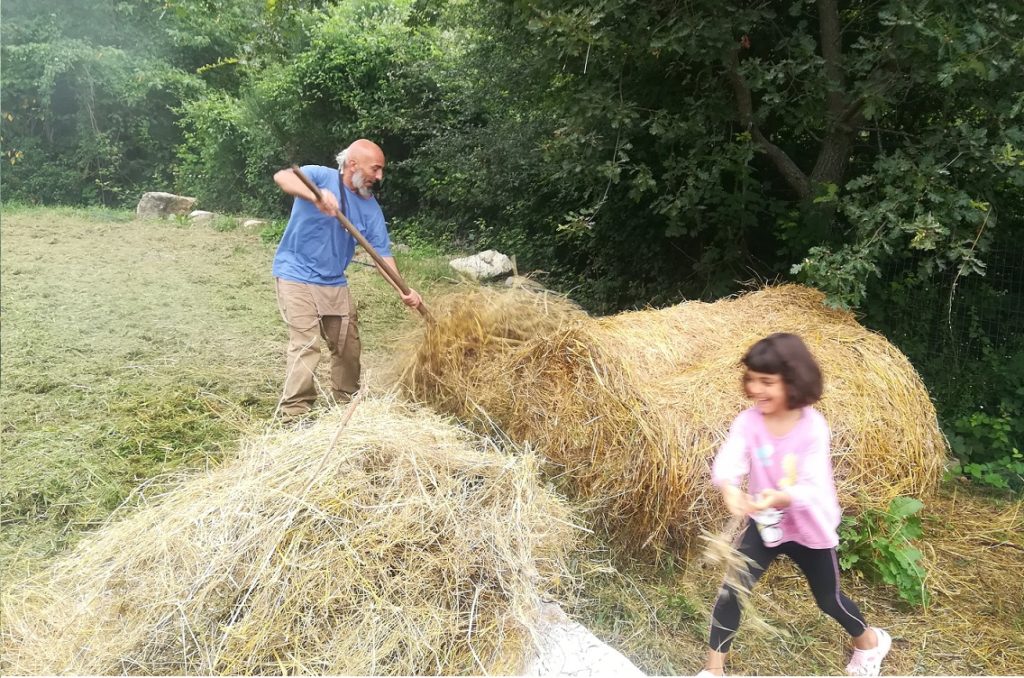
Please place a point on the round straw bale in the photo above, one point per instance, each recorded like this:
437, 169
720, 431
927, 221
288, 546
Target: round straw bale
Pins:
412, 547
632, 408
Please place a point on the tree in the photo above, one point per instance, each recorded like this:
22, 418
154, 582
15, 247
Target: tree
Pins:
729, 139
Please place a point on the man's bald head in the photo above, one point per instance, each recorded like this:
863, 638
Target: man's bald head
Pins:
365, 149
362, 166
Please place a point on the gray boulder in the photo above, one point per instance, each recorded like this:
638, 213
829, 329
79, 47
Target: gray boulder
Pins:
157, 204
486, 265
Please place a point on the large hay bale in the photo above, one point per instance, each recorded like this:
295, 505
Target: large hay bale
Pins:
412, 547
632, 407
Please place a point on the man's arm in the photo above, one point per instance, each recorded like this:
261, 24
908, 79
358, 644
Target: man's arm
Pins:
292, 185
412, 299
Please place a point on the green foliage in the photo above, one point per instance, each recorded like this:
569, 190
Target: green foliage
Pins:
224, 223
878, 544
677, 610
273, 232
87, 103
1005, 473
966, 338
638, 152
359, 71
988, 446
647, 177
228, 157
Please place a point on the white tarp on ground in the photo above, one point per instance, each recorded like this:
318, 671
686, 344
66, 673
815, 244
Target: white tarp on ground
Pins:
568, 649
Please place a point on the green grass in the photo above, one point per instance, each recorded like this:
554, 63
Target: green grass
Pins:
131, 349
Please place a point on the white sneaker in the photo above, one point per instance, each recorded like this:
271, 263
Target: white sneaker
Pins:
869, 662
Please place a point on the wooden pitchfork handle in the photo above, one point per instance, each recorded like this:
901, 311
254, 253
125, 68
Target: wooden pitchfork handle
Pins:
389, 273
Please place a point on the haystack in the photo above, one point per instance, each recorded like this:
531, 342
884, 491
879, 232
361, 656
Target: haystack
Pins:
630, 409
411, 547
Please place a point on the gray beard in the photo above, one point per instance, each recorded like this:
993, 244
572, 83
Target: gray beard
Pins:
359, 183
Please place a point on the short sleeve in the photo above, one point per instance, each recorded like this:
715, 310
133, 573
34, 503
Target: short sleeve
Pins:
322, 176
377, 234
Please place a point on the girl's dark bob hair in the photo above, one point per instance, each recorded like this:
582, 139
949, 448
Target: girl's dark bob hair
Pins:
787, 355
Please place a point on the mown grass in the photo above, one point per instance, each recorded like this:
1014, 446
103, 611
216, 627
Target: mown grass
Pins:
134, 348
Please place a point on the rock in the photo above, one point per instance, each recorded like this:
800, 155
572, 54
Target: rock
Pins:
254, 223
486, 265
158, 204
201, 217
397, 247
566, 648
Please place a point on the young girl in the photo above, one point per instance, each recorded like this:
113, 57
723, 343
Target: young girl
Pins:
781, 444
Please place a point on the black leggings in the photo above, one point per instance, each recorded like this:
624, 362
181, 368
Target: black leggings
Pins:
821, 568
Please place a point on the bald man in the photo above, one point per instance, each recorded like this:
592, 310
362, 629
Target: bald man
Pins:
309, 267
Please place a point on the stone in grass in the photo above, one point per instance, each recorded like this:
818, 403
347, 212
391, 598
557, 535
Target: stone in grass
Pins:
157, 204
201, 216
486, 265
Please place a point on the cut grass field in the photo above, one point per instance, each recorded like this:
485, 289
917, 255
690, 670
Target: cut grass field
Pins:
131, 348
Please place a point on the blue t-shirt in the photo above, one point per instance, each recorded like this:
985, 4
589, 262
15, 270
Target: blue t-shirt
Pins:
315, 248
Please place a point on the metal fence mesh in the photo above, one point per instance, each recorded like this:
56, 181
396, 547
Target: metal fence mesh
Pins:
953, 326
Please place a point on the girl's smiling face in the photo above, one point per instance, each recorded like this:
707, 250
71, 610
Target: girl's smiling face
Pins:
767, 391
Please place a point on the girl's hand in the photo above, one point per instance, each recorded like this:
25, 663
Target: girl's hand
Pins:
736, 500
771, 499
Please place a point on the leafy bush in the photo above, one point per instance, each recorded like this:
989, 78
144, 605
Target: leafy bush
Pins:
87, 114
988, 440
878, 544
274, 231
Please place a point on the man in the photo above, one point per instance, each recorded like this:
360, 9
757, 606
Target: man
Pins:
309, 267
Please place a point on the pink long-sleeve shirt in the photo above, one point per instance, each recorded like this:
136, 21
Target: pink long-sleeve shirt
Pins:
750, 450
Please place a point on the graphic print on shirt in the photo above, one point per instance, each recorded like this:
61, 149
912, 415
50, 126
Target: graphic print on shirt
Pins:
764, 453
789, 469
769, 520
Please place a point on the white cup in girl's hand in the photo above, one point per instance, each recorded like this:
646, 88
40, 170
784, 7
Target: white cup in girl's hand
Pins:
768, 525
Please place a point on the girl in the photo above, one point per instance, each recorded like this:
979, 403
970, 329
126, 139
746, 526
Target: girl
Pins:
782, 445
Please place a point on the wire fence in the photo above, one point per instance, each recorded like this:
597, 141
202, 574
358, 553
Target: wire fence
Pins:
956, 328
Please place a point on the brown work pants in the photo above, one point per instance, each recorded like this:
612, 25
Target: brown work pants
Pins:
313, 312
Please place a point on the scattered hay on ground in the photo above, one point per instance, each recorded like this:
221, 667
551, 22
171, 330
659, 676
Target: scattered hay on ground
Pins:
411, 547
974, 553
633, 407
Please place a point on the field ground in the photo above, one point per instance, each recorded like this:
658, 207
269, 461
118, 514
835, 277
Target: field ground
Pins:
132, 348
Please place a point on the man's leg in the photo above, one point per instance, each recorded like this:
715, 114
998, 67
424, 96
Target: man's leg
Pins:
299, 313
342, 336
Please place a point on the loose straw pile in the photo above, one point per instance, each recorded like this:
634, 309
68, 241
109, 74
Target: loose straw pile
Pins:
412, 547
632, 408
